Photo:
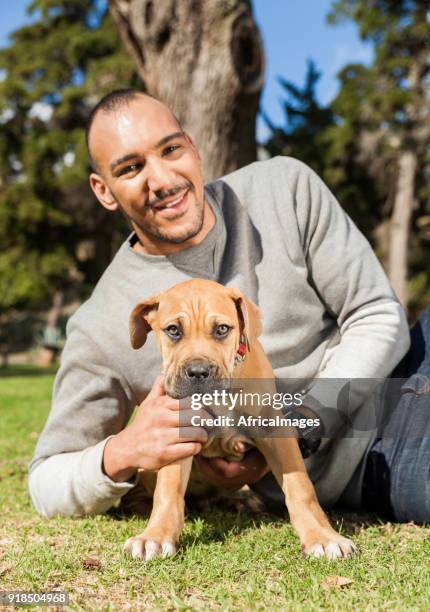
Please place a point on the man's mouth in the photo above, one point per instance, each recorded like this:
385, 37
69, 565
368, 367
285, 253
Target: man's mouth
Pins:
175, 204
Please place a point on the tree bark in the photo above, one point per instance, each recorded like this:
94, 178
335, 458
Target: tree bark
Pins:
404, 202
204, 59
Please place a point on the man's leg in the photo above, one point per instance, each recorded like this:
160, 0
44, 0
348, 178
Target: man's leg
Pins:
397, 474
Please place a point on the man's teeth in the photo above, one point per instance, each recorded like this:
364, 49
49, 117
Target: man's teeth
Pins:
174, 203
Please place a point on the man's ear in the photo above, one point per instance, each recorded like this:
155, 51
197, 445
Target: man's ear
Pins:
249, 315
138, 324
102, 192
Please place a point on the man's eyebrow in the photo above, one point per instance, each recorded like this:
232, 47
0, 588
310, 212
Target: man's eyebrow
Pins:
163, 141
130, 156
123, 159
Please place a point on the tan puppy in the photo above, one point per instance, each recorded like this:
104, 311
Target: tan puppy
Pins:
207, 333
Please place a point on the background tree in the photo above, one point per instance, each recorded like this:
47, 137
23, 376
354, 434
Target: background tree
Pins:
393, 126
352, 167
306, 121
325, 138
205, 60
52, 233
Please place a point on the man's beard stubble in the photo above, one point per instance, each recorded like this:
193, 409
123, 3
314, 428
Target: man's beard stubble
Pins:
152, 229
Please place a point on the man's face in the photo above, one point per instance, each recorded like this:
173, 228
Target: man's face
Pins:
150, 169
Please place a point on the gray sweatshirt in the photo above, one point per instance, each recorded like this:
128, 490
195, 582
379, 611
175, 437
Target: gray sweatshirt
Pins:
328, 312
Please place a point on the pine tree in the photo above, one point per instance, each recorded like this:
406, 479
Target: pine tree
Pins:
306, 122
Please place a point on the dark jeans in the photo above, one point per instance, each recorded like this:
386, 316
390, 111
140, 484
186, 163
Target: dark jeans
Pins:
397, 473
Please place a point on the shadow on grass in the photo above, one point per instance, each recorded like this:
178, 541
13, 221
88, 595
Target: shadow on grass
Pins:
26, 370
223, 515
218, 524
353, 522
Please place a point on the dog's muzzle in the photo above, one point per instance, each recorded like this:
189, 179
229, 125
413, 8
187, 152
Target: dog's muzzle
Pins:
196, 377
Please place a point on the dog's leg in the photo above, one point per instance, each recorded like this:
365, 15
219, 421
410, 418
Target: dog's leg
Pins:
317, 537
161, 536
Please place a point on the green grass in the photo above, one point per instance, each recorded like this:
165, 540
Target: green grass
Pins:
228, 561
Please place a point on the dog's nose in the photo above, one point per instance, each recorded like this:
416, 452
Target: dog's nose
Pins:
197, 370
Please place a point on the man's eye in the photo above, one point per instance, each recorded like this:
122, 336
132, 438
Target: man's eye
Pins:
173, 331
171, 149
221, 330
129, 169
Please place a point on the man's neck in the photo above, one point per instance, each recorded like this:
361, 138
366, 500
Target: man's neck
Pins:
154, 246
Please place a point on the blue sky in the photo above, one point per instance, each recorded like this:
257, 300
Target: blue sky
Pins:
293, 31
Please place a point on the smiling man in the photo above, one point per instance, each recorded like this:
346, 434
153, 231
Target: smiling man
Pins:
271, 229
149, 168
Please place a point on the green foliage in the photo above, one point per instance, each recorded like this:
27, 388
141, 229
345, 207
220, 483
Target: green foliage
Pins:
55, 70
380, 111
346, 171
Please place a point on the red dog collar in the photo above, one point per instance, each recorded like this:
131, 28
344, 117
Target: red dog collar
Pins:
241, 351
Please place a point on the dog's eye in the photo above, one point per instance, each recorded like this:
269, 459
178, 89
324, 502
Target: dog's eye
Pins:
221, 331
173, 331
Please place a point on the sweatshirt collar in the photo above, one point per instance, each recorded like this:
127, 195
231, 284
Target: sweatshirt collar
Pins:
202, 259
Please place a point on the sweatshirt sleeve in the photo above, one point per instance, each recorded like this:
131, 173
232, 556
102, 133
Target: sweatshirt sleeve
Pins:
74, 484
373, 332
91, 402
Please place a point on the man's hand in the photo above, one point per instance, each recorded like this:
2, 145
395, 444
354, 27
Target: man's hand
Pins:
154, 438
233, 474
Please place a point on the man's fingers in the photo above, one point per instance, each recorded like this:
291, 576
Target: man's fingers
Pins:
182, 450
219, 467
185, 418
188, 434
217, 478
183, 404
181, 418
229, 469
253, 466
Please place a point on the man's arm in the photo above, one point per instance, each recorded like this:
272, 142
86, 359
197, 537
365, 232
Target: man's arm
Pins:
344, 271
86, 458
91, 402
373, 333
73, 484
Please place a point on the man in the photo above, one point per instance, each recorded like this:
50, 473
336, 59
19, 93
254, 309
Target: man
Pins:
273, 230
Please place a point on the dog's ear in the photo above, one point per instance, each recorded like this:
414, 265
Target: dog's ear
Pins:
248, 313
138, 323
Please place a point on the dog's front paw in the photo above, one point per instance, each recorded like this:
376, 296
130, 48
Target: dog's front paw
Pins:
328, 544
149, 546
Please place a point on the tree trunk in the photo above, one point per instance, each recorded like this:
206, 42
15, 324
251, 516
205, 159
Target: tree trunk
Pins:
404, 202
204, 59
54, 313
415, 142
48, 352
4, 355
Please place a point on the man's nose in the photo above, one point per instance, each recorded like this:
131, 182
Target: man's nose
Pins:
160, 176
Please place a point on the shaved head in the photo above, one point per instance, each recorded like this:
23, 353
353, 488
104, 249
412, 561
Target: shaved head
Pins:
112, 103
